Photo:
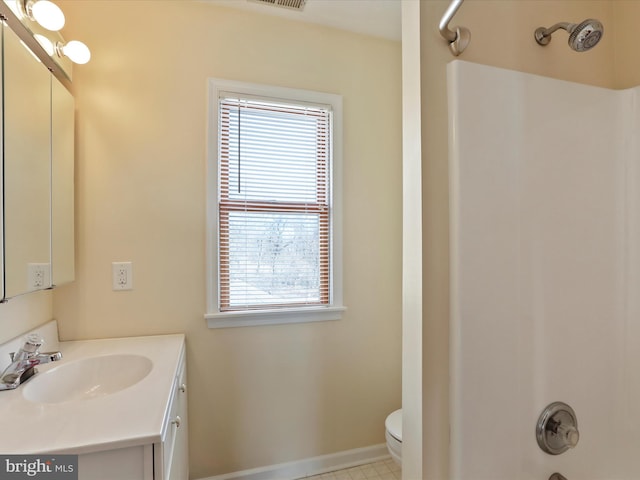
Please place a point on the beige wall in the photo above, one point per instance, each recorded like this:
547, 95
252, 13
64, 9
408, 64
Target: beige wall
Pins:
23, 313
502, 36
626, 15
259, 395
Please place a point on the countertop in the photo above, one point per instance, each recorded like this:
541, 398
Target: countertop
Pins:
130, 417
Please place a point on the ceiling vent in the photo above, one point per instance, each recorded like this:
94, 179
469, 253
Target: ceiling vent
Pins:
290, 4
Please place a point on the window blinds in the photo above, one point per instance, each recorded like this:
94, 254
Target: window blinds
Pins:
274, 204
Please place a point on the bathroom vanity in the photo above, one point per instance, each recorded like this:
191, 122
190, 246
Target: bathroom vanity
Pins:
119, 404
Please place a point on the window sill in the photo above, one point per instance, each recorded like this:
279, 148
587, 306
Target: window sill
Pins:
273, 317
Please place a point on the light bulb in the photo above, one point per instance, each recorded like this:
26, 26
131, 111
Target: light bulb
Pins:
46, 13
77, 51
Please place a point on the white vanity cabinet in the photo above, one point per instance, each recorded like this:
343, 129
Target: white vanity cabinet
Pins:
119, 430
164, 460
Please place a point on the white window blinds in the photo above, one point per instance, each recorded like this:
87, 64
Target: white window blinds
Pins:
273, 204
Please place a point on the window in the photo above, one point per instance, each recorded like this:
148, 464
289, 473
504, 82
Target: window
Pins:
274, 205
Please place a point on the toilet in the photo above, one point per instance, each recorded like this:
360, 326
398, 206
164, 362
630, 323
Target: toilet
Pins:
393, 433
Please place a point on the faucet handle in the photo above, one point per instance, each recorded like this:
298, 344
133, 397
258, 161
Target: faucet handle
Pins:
557, 429
32, 343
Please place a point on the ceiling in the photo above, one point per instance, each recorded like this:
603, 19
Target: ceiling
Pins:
380, 18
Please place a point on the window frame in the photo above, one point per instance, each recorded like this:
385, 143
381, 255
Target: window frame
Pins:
296, 314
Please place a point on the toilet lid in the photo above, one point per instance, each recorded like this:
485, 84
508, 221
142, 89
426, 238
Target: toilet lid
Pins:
393, 424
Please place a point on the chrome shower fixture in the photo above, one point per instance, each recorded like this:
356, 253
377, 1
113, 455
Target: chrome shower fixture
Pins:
557, 430
458, 39
582, 36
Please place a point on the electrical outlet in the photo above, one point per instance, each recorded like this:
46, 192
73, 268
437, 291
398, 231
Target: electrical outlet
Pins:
122, 275
39, 276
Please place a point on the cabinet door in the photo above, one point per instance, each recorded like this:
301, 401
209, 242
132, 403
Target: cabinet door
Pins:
26, 162
132, 463
179, 469
62, 184
172, 461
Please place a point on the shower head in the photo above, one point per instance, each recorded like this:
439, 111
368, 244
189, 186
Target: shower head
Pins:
582, 36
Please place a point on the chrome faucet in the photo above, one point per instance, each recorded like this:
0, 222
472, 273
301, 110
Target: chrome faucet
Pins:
23, 363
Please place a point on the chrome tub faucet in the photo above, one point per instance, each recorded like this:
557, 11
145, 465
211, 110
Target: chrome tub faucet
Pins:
23, 363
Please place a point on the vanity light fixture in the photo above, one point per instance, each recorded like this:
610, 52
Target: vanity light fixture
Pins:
75, 50
47, 14
45, 43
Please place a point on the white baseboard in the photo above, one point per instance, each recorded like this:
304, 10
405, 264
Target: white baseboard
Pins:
310, 466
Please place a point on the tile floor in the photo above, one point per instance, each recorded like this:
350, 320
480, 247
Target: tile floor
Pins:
382, 470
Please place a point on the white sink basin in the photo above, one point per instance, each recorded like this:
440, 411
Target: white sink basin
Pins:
87, 378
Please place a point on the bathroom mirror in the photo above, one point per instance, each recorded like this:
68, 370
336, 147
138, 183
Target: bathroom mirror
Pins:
38, 177
62, 184
27, 169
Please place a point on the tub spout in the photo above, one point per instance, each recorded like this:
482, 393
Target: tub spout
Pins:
557, 476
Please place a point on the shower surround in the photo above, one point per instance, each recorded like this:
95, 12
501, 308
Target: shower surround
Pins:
545, 266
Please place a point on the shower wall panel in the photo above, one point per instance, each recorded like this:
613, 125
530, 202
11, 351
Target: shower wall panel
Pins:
542, 285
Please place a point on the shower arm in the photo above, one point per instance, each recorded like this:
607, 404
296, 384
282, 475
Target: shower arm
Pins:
458, 39
543, 35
